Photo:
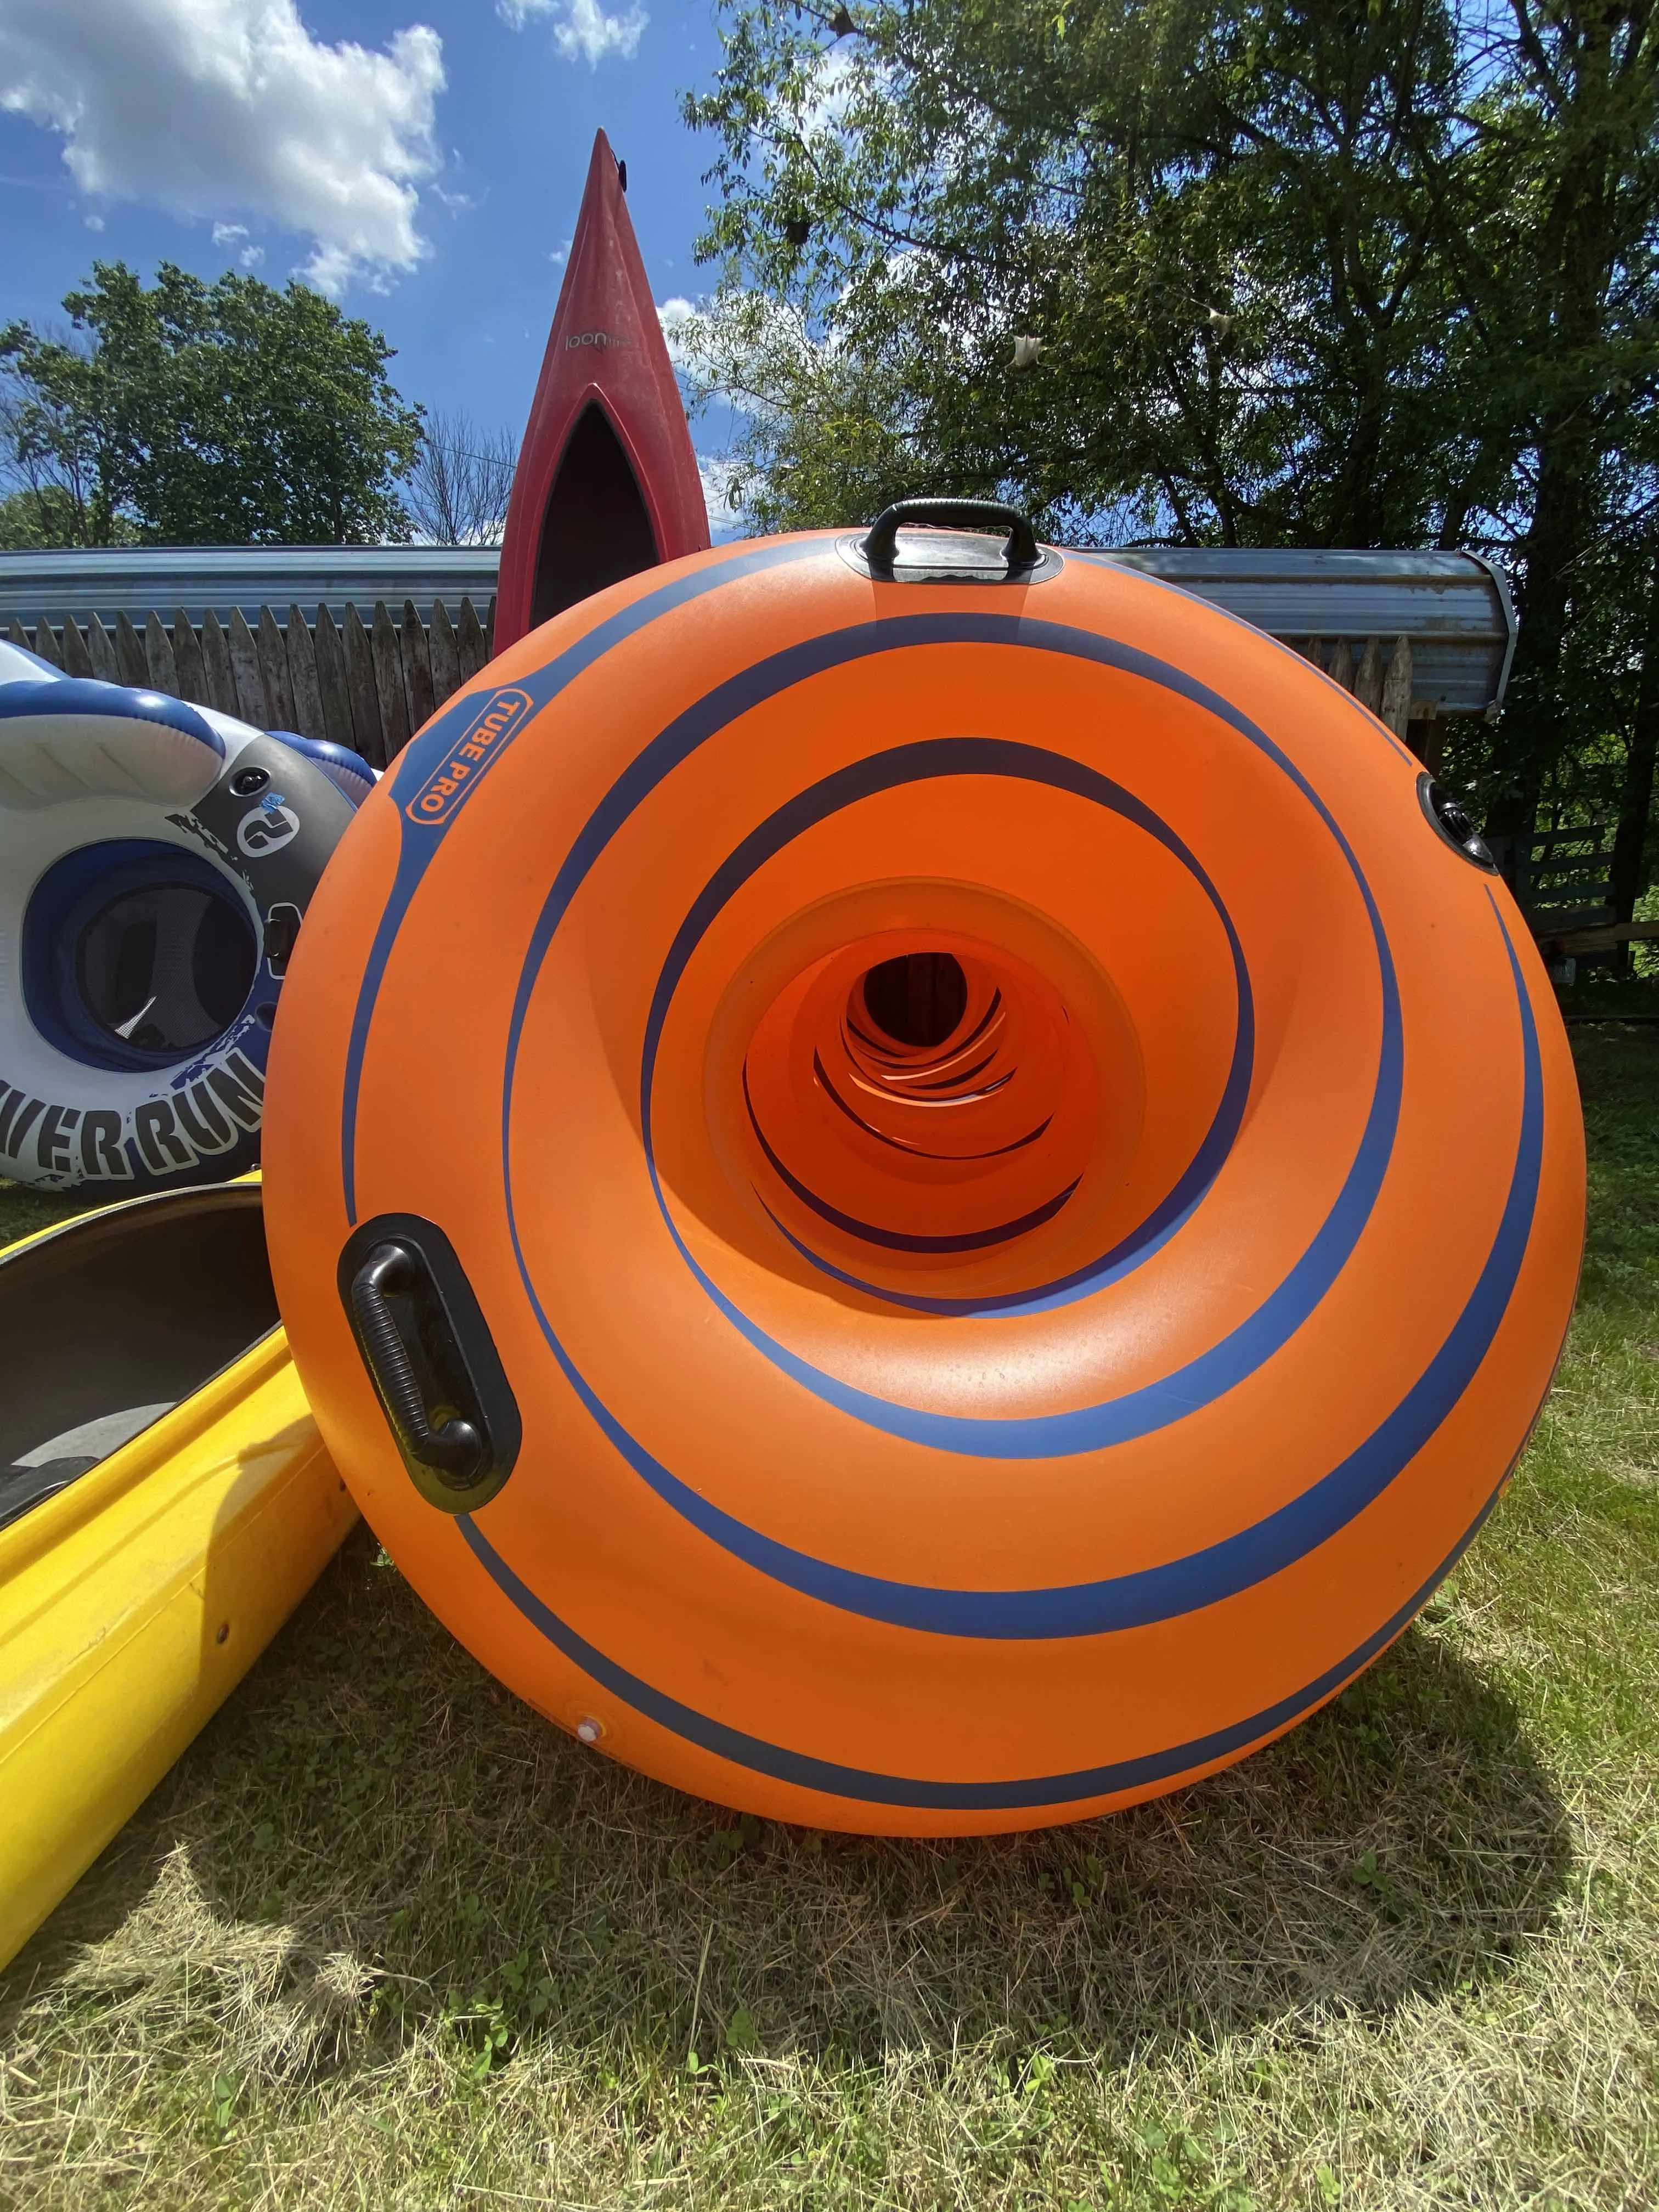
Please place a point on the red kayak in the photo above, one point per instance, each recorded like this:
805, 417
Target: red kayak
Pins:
607, 482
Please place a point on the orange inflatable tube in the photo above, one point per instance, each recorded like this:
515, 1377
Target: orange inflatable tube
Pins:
923, 1187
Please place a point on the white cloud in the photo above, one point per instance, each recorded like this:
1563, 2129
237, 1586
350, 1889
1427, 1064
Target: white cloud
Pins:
679, 318
234, 238
218, 107
581, 29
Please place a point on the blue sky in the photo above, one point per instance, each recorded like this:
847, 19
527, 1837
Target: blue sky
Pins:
211, 131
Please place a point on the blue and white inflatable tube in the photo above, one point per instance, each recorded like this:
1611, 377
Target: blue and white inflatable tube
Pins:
156, 860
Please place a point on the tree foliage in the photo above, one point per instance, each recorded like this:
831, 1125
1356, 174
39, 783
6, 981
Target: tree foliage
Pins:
189, 413
1322, 272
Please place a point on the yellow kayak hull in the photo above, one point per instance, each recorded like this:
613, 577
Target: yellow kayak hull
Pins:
133, 1601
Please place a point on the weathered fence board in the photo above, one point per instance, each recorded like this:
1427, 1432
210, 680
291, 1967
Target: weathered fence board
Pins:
130, 653
389, 682
474, 648
187, 658
365, 693
245, 669
102, 647
77, 661
216, 659
418, 668
445, 660
331, 690
46, 645
1395, 705
273, 668
302, 676
1368, 677
159, 663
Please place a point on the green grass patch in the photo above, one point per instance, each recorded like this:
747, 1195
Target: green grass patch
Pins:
383, 1939
23, 1210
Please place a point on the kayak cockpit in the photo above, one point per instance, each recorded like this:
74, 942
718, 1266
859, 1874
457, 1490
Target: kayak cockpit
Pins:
112, 1320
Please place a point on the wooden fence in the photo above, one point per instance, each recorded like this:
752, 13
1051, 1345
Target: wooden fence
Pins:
1563, 880
367, 686
1379, 677
370, 685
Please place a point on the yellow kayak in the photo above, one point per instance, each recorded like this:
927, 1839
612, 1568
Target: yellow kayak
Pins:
165, 1503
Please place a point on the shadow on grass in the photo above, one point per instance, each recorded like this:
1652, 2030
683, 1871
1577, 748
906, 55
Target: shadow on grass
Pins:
496, 1885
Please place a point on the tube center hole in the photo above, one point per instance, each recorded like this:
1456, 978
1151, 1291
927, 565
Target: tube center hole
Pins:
166, 968
918, 1000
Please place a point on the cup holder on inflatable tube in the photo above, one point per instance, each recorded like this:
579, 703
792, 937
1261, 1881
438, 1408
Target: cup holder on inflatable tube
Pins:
1452, 819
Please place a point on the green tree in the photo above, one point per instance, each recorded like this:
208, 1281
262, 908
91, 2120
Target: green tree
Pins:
1220, 221
30, 518
189, 413
1566, 291
1358, 272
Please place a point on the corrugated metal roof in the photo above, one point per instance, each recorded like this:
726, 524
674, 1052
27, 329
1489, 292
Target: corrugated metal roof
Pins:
130, 581
1454, 607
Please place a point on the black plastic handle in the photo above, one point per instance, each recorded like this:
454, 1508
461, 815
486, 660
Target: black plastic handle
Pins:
880, 548
454, 1449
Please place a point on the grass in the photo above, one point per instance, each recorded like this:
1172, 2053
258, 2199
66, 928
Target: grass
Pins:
24, 1209
383, 1939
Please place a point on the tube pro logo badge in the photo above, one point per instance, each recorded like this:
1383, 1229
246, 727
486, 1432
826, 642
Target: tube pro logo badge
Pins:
485, 739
